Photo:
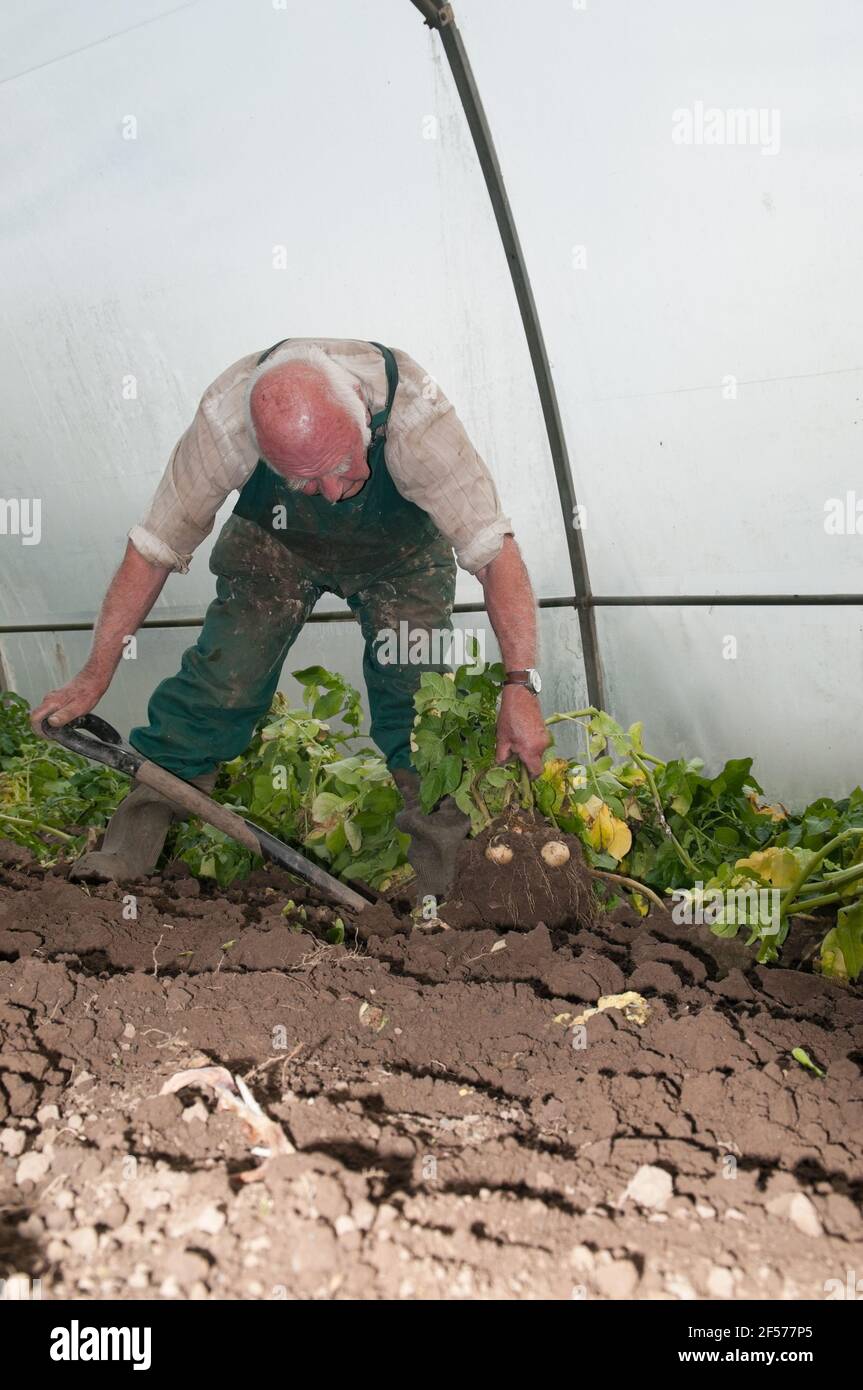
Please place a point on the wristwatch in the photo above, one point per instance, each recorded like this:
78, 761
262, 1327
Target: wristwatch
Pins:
529, 677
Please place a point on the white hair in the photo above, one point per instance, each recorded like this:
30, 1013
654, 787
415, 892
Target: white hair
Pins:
340, 384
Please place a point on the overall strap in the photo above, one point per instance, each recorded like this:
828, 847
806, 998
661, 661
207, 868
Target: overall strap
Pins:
380, 418
264, 355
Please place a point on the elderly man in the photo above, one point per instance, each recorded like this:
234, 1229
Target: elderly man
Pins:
355, 477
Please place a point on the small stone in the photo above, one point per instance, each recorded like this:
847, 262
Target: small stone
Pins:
705, 1212
84, 1241
650, 1187
114, 1215
798, 1209
56, 1250
169, 1288
720, 1283
210, 1221
32, 1168
618, 1279
156, 1197
12, 1141
344, 1225
47, 1114
581, 1256
129, 1030
679, 1287
127, 1234
363, 1213
75, 1122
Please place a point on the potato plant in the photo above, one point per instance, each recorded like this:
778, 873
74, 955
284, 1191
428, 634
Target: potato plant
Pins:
651, 827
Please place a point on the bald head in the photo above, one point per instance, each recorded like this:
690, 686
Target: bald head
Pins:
310, 424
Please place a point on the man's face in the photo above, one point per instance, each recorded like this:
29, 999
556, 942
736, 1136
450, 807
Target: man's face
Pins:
324, 456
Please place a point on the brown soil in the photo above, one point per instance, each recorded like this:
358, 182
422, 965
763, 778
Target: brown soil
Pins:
456, 1136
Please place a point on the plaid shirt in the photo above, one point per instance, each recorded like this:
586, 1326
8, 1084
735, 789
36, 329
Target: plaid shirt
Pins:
430, 458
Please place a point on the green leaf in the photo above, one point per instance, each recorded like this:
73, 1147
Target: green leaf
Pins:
326, 805
315, 675
450, 770
354, 834
498, 776
336, 933
802, 1056
326, 706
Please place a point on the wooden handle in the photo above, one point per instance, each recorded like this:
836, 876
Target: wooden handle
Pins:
194, 800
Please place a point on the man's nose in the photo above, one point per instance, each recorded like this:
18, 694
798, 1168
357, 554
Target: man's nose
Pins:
331, 488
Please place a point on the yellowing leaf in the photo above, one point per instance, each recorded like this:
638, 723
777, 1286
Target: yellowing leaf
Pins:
608, 833
621, 840
554, 769
776, 866
633, 1006
842, 948
775, 812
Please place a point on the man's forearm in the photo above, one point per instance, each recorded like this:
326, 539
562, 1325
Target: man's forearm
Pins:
131, 594
511, 606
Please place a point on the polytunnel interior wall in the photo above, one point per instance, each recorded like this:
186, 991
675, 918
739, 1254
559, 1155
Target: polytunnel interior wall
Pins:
194, 182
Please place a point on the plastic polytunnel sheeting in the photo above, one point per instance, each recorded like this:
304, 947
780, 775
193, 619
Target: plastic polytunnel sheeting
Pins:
185, 184
197, 182
685, 179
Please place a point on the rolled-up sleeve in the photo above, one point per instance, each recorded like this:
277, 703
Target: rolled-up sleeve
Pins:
434, 464
213, 457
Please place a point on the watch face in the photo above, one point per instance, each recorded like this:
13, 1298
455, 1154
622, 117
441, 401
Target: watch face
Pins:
534, 681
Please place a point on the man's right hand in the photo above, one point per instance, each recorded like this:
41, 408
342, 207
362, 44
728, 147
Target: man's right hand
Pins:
131, 594
78, 696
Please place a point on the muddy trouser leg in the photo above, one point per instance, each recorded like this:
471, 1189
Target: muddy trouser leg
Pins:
414, 600
206, 714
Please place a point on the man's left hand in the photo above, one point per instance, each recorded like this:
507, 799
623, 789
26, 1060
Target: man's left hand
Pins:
521, 729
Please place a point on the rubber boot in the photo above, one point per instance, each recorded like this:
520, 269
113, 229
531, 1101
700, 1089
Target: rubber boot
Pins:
435, 837
135, 835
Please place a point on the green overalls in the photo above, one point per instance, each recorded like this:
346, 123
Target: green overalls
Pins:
275, 557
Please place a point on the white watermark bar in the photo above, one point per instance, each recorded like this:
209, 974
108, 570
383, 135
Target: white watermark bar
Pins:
436, 646
707, 907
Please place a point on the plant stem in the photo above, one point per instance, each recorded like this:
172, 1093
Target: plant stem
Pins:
842, 876
657, 762
527, 798
811, 869
572, 714
36, 825
657, 801
480, 801
821, 901
630, 883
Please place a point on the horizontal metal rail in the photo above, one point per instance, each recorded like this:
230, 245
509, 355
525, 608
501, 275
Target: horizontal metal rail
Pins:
559, 601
